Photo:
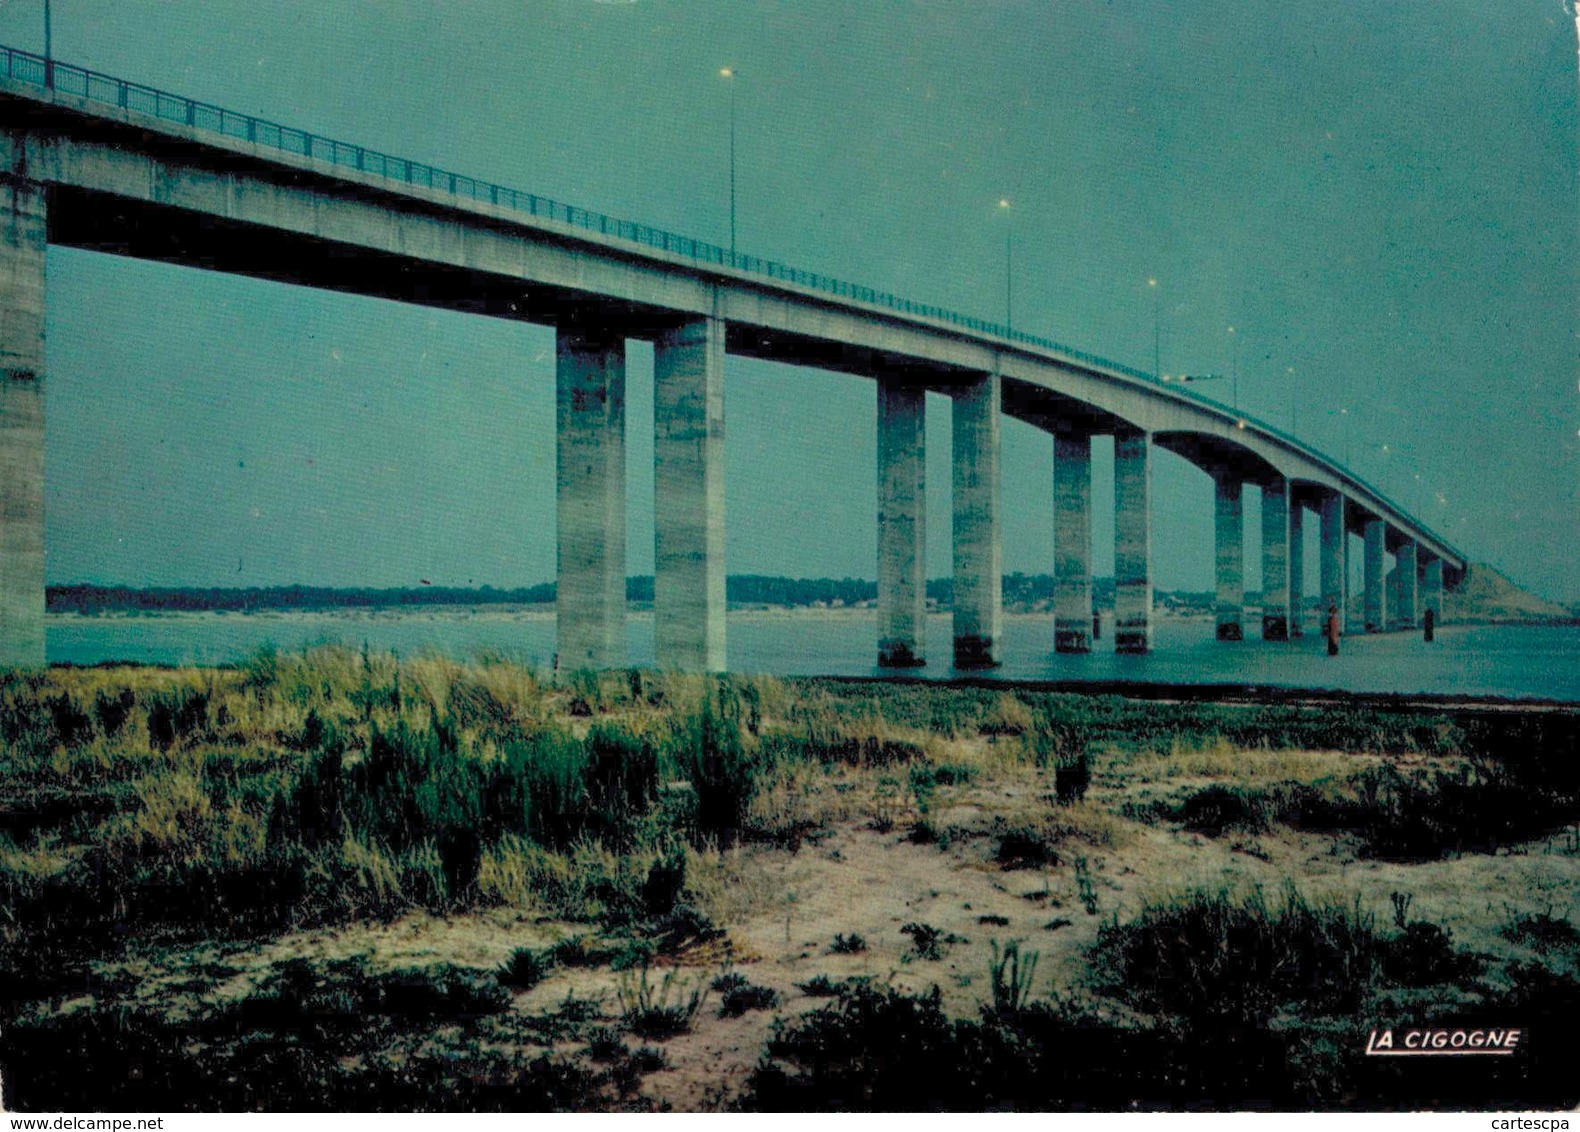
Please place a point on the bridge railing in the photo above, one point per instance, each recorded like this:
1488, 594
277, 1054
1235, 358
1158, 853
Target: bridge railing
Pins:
93, 86
111, 91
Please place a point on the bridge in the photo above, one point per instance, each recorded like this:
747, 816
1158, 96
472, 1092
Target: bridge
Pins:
91, 161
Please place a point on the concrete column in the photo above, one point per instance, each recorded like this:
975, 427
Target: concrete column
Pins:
1432, 588
1132, 543
978, 551
1376, 608
1405, 611
1229, 535
902, 524
590, 494
1334, 553
22, 424
688, 497
1072, 542
1297, 571
1276, 543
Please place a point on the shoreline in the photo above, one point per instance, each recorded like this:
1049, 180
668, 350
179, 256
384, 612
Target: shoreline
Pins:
644, 611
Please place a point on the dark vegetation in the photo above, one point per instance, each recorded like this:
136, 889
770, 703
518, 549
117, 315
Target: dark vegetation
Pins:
338, 1036
147, 809
738, 994
1253, 1003
1419, 813
928, 942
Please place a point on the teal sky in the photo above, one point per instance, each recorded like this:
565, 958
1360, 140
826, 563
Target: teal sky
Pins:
1380, 197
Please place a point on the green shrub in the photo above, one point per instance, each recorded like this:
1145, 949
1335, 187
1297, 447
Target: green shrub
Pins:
1543, 931
663, 1011
1423, 955
710, 753
928, 942
1010, 980
1071, 778
525, 969
738, 995
1208, 954
112, 711
1214, 809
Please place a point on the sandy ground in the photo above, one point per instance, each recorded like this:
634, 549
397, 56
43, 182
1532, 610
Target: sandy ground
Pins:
864, 875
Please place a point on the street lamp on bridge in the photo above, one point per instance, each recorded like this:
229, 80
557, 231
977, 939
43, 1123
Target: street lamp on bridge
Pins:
1157, 332
1234, 367
1344, 427
1009, 230
728, 74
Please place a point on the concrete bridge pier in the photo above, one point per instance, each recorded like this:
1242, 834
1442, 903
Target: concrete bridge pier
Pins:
1276, 620
1132, 542
22, 423
1374, 568
590, 491
902, 518
1072, 542
1229, 537
1297, 568
977, 546
1334, 558
688, 497
1405, 610
1432, 587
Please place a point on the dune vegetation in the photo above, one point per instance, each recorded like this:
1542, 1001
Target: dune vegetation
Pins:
336, 879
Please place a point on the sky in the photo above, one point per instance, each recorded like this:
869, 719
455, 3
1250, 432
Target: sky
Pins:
1379, 198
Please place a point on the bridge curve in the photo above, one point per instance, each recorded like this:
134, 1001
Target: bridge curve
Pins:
95, 162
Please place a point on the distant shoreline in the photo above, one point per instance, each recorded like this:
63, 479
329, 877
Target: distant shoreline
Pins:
506, 613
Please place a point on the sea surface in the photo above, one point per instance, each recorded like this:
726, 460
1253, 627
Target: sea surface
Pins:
1525, 662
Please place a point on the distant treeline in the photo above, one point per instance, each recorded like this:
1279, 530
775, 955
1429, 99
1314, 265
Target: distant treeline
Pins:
97, 599
741, 589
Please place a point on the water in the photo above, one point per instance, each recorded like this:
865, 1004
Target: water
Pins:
1473, 660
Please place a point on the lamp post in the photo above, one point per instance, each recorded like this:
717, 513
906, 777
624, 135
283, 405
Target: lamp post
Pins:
1293, 400
1009, 231
1157, 332
1234, 368
728, 74
49, 53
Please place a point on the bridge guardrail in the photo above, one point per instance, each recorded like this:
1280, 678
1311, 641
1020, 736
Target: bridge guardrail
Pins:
93, 86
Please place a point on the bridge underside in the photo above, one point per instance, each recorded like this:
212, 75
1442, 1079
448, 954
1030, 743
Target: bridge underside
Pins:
131, 190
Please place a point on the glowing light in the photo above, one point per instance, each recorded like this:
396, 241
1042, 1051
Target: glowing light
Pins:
726, 73
1239, 424
1003, 203
1152, 282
